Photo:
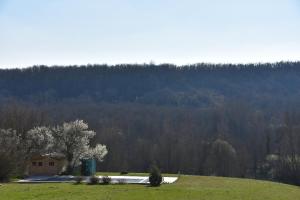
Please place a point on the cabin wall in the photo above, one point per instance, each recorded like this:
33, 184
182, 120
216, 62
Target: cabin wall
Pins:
46, 166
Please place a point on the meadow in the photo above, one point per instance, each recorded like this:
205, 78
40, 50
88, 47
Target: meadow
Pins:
186, 188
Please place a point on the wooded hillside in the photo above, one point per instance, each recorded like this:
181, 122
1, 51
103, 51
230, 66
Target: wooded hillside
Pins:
227, 120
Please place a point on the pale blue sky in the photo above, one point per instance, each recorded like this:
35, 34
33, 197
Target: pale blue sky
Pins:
137, 31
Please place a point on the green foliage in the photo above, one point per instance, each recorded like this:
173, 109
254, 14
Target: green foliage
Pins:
105, 180
9, 154
94, 180
78, 179
6, 168
155, 177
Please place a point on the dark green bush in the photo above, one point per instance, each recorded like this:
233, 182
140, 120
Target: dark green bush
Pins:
94, 180
105, 180
6, 168
155, 177
78, 179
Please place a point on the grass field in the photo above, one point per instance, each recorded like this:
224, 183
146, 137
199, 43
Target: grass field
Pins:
187, 187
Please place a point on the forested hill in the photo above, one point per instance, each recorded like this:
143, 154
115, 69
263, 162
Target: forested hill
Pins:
200, 85
226, 120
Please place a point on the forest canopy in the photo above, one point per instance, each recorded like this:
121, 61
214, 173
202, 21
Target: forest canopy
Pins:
200, 85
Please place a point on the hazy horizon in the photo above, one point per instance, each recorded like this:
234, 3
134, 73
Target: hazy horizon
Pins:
65, 32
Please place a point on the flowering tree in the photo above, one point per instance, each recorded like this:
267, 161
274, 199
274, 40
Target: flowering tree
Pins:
39, 140
73, 140
98, 152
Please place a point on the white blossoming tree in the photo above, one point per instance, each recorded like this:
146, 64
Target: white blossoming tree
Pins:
73, 140
98, 153
39, 140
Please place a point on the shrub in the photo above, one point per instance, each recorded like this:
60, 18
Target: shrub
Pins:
6, 168
155, 177
64, 173
123, 172
105, 180
78, 179
94, 180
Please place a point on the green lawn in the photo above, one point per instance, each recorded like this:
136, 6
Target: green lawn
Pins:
187, 187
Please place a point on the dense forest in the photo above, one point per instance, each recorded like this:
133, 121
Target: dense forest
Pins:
206, 119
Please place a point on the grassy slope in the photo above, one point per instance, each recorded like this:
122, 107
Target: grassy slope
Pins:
188, 187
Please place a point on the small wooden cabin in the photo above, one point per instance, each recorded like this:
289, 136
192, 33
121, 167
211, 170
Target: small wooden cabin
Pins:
47, 165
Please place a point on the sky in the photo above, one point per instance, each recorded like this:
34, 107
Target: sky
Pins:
68, 32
